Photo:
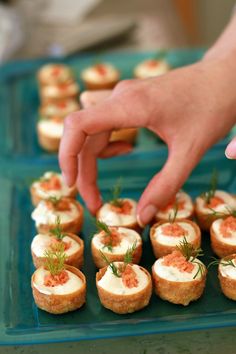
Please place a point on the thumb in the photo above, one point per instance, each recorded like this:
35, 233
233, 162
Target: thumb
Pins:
165, 184
230, 151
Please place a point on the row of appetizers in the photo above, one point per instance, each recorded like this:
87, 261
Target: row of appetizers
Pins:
59, 94
123, 286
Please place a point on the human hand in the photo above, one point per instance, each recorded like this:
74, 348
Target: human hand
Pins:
189, 108
230, 151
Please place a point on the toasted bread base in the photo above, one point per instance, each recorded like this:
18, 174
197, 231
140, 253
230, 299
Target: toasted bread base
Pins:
181, 293
49, 143
36, 199
228, 285
75, 260
161, 250
100, 263
204, 220
221, 249
57, 304
73, 226
123, 304
89, 85
128, 135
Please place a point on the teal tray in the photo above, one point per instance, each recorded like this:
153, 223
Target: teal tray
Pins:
22, 323
19, 99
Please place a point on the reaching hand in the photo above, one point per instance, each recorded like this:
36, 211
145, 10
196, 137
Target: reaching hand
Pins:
189, 108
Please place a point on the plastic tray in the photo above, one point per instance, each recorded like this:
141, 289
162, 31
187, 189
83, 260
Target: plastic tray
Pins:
21, 161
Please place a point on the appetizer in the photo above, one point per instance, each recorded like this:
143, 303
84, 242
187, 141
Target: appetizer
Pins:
48, 211
151, 68
180, 277
51, 184
223, 235
71, 244
59, 92
59, 109
227, 275
100, 76
165, 236
50, 132
124, 287
184, 205
53, 74
58, 288
113, 242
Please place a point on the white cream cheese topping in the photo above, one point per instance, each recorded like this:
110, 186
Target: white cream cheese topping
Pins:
175, 240
231, 240
55, 73
73, 284
60, 110
144, 70
129, 237
51, 128
92, 74
229, 202
112, 218
41, 243
64, 191
115, 285
228, 270
56, 91
174, 274
184, 213
42, 215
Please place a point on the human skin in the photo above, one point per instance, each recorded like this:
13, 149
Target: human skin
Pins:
190, 108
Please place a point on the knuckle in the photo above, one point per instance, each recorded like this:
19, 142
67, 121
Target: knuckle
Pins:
124, 84
72, 120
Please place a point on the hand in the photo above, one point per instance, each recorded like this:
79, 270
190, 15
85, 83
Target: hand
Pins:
230, 151
189, 108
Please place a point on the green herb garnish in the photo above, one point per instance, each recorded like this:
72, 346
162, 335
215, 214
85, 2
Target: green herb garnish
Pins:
116, 192
127, 260
223, 262
191, 253
221, 214
171, 218
213, 185
55, 260
57, 230
102, 226
54, 200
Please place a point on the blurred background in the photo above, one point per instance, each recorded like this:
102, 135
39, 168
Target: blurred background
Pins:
39, 28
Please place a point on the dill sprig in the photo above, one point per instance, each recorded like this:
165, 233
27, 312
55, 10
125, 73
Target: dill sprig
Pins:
55, 259
223, 262
212, 189
172, 218
221, 214
54, 200
102, 226
57, 230
127, 260
191, 254
116, 192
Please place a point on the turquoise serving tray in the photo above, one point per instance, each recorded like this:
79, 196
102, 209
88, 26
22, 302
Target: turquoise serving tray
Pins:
19, 100
22, 160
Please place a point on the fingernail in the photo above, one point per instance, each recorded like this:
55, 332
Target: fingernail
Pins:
147, 214
230, 151
66, 180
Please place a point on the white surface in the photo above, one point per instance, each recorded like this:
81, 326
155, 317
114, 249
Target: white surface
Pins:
228, 271
73, 284
115, 285
175, 240
184, 213
229, 200
93, 75
111, 218
230, 240
144, 70
51, 128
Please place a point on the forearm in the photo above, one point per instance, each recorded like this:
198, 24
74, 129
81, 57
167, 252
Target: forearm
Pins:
225, 46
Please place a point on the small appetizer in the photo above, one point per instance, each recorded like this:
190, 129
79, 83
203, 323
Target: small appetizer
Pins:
100, 77
59, 109
114, 242
72, 245
124, 287
211, 203
59, 92
223, 235
227, 275
151, 68
53, 74
50, 132
180, 277
87, 100
51, 184
184, 205
58, 288
48, 211
165, 236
